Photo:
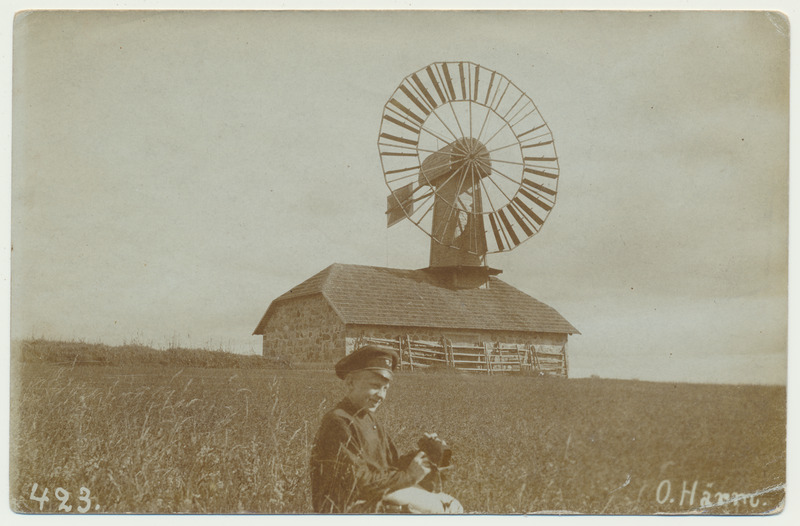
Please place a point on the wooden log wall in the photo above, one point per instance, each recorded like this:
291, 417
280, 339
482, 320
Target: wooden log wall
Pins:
485, 357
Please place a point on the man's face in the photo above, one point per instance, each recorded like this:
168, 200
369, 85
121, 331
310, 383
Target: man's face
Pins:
367, 389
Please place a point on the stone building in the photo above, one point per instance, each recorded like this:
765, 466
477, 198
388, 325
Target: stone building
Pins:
321, 319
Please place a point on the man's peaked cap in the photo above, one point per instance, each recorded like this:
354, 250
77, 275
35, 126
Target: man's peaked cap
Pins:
371, 357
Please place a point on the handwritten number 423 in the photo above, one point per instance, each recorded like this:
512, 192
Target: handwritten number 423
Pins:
63, 496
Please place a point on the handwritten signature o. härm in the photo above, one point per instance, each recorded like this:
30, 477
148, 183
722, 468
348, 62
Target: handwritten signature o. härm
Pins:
707, 497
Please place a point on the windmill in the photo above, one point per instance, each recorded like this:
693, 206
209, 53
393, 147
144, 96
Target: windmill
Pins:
469, 159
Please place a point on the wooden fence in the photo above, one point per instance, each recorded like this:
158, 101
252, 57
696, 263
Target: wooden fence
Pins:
489, 358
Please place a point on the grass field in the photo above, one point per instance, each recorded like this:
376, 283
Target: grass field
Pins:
163, 438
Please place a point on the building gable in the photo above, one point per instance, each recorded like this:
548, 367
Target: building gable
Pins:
303, 328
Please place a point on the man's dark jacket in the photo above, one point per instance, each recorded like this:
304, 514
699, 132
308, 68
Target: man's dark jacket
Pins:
353, 462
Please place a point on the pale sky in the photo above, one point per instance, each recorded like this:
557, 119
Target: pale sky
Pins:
173, 173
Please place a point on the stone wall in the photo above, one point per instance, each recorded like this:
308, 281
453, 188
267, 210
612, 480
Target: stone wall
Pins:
354, 332
304, 329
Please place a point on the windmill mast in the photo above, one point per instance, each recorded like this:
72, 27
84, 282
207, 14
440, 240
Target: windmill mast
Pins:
455, 171
458, 243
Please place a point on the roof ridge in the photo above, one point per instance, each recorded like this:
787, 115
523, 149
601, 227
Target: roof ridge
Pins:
369, 266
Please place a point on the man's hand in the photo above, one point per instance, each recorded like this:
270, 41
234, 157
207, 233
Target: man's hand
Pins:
419, 467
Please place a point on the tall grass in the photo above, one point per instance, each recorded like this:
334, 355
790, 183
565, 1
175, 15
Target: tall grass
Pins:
167, 439
174, 442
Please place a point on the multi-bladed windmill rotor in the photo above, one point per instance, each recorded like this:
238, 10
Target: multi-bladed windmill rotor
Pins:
468, 158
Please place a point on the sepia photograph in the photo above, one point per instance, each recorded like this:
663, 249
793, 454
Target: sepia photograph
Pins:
484, 262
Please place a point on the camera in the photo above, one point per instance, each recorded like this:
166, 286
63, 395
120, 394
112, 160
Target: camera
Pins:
436, 449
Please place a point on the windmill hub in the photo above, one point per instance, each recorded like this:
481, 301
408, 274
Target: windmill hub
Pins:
465, 159
471, 157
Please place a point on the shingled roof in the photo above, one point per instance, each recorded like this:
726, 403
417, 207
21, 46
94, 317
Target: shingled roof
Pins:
362, 295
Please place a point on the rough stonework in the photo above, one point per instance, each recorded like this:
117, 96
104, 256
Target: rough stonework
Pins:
304, 329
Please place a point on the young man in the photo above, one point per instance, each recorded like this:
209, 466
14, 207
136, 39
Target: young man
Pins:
354, 463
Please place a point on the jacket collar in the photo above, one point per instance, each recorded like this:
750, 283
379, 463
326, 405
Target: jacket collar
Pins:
351, 409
